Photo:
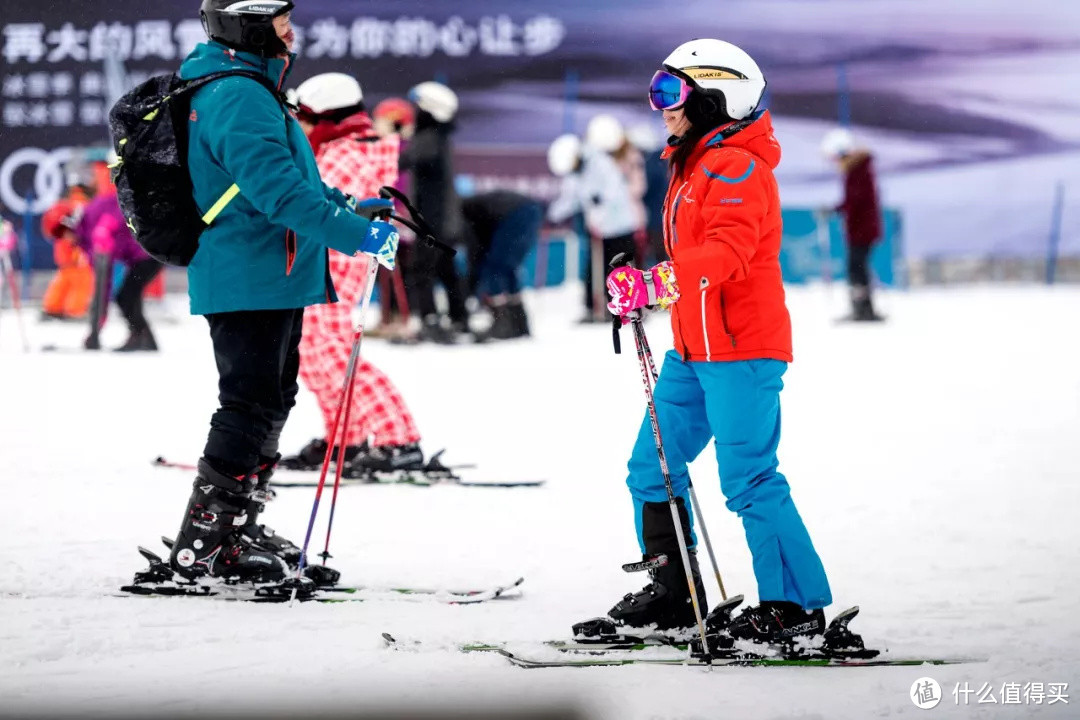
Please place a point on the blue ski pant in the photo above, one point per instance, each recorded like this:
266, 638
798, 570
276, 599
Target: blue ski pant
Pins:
737, 404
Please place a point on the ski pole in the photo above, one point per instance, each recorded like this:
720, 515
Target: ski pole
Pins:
350, 371
694, 502
351, 384
646, 378
8, 269
346, 390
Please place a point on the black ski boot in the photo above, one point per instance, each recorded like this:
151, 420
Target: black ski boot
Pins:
266, 539
519, 317
777, 622
313, 454
664, 604
509, 321
386, 459
210, 541
139, 341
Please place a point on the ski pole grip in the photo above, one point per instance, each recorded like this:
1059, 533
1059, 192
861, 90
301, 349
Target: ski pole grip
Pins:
418, 224
616, 322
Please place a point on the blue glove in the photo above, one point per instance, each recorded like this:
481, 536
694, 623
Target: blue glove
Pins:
370, 207
382, 243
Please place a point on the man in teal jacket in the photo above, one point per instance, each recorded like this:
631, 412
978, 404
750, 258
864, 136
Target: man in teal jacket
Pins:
260, 263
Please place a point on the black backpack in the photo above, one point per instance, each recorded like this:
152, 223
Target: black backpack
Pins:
150, 133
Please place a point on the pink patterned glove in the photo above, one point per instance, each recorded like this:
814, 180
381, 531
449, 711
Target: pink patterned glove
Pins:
632, 289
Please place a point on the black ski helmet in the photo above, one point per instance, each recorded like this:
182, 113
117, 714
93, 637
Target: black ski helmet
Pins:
246, 25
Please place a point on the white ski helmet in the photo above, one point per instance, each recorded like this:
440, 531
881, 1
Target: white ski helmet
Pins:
837, 143
605, 133
564, 154
437, 100
327, 92
721, 72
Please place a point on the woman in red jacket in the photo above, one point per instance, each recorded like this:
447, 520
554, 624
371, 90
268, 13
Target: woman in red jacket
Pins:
722, 381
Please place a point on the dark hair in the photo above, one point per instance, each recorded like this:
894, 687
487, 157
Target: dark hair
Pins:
684, 146
335, 116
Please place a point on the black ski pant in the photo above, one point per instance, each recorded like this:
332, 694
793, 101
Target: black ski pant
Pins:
859, 265
430, 266
258, 357
612, 246
129, 297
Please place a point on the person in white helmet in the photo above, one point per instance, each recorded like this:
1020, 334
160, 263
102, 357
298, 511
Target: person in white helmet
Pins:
593, 185
605, 132
862, 216
732, 335
429, 159
355, 159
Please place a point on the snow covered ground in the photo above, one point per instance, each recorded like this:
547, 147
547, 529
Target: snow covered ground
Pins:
934, 458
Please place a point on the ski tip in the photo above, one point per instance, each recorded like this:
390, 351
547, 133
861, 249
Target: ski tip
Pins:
160, 460
389, 639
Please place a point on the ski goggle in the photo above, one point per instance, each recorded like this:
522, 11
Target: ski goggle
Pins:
667, 91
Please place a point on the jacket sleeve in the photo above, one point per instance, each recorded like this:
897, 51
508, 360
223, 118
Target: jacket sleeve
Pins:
250, 141
568, 203
738, 194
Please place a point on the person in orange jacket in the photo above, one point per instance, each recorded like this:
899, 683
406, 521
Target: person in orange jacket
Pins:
732, 333
69, 292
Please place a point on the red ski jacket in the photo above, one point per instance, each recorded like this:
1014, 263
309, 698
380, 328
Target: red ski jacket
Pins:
722, 230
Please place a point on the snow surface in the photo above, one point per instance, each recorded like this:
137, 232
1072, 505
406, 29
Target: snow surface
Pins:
934, 459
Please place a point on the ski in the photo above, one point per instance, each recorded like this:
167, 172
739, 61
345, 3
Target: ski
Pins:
838, 646
575, 645
441, 475
159, 581
654, 650
520, 660
415, 480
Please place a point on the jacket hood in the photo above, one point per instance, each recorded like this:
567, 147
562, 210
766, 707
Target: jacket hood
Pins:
212, 57
757, 138
358, 125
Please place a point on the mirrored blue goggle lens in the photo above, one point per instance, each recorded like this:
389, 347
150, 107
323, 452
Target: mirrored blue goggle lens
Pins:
667, 91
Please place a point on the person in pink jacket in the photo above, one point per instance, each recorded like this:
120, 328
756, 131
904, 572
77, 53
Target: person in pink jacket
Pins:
103, 232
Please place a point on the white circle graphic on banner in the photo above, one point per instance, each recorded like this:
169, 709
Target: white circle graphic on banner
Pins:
48, 184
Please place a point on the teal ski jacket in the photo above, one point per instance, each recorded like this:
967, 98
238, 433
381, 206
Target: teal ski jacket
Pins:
266, 249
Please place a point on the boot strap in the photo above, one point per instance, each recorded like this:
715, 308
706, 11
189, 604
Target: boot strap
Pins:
209, 521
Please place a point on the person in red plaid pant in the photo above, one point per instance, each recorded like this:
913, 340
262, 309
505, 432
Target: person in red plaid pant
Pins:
382, 434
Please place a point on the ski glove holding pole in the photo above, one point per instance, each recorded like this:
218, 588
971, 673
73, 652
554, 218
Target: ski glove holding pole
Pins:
632, 289
382, 243
382, 238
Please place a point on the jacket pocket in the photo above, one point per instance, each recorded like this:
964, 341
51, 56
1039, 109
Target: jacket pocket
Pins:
714, 312
290, 251
724, 327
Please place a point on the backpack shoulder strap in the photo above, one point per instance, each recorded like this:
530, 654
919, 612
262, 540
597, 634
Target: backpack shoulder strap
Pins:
197, 83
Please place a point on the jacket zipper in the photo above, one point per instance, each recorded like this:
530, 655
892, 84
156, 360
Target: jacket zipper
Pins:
673, 234
704, 324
